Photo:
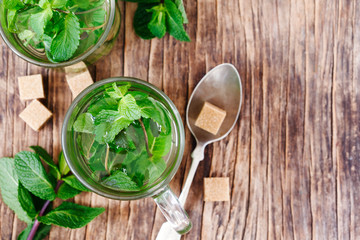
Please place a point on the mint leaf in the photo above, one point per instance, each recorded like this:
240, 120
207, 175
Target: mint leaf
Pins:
84, 123
117, 92
157, 24
160, 146
156, 168
45, 156
174, 22
102, 104
32, 175
122, 142
26, 36
44, 4
150, 108
75, 183
67, 40
66, 191
11, 19
120, 181
13, 4
137, 166
26, 201
95, 18
9, 183
58, 3
138, 95
71, 215
39, 20
64, 168
82, 4
141, 20
107, 116
106, 132
98, 153
42, 231
180, 6
128, 108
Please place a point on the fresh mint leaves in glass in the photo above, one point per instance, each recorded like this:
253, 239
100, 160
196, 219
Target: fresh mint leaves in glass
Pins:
123, 138
58, 33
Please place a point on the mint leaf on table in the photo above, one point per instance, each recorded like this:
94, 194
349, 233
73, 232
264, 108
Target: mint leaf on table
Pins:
157, 24
66, 191
74, 182
33, 176
44, 155
67, 40
41, 233
64, 168
180, 6
174, 22
71, 215
121, 181
9, 183
84, 123
128, 108
26, 201
39, 20
141, 20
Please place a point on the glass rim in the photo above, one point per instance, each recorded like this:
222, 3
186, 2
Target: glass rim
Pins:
71, 61
167, 176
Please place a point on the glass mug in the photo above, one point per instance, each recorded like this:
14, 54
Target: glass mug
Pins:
101, 48
159, 189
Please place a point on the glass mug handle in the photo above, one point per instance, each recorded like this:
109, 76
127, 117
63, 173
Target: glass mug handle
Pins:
173, 211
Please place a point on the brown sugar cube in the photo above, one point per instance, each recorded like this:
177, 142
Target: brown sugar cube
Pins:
210, 118
35, 115
31, 87
216, 189
78, 78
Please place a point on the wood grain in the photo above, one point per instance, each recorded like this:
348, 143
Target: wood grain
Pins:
293, 158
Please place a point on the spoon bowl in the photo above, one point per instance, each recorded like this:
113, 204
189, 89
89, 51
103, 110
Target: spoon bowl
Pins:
221, 87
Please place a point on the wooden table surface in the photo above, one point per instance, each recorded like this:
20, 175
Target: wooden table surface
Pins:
293, 159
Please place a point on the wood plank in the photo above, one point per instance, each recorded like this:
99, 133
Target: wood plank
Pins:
346, 149
318, 124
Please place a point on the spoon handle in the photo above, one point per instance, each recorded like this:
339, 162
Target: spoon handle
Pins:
197, 155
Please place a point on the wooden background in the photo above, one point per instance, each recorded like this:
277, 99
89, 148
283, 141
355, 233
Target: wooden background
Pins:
294, 156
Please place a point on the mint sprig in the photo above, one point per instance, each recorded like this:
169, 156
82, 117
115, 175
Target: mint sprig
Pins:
153, 18
24, 183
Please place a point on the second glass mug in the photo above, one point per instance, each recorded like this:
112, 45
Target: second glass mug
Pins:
159, 190
101, 48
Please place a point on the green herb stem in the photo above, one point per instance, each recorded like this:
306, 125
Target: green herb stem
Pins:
107, 158
42, 211
88, 11
94, 28
146, 138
